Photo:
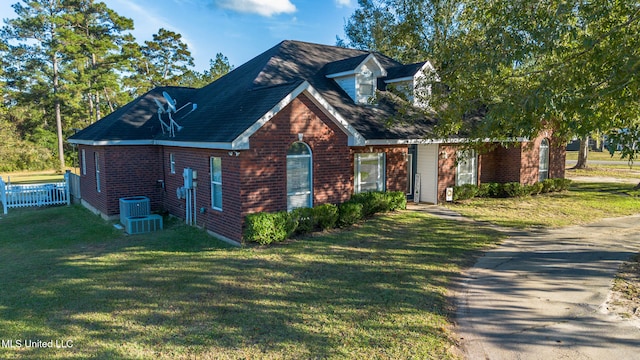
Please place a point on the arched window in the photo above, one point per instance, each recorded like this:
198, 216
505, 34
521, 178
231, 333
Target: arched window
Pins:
299, 176
544, 160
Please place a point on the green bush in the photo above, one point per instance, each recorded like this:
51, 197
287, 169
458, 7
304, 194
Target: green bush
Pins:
491, 190
325, 216
464, 192
548, 185
349, 213
561, 184
397, 200
484, 190
265, 228
515, 189
372, 202
306, 220
535, 189
497, 190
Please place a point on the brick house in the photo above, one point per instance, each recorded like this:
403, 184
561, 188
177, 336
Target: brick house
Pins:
292, 127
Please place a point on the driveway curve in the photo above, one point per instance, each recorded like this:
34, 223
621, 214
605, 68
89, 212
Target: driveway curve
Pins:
542, 295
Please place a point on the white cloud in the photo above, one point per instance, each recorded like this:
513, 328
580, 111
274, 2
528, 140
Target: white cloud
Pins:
343, 3
260, 7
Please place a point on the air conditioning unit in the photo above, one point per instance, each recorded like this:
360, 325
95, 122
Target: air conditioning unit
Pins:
134, 206
142, 224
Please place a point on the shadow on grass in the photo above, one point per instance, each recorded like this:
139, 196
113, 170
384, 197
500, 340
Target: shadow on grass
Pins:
376, 290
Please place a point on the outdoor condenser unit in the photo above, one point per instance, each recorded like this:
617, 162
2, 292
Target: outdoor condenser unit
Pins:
134, 206
143, 224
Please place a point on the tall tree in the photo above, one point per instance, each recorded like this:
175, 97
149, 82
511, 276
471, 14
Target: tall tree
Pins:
406, 30
99, 36
218, 67
165, 59
570, 65
35, 42
527, 65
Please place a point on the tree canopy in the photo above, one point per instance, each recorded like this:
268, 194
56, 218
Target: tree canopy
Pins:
66, 64
570, 65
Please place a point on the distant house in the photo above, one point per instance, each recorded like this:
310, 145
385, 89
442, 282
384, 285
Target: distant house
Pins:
293, 127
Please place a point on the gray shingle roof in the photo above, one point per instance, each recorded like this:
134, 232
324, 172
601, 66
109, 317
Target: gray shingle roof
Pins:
231, 104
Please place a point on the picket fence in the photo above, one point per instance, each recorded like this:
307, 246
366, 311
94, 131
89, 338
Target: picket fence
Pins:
15, 196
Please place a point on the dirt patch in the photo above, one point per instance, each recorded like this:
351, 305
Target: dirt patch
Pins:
624, 299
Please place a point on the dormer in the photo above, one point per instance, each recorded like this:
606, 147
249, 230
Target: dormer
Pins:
412, 82
357, 76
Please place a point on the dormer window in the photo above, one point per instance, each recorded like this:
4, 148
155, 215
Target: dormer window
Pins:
357, 76
409, 81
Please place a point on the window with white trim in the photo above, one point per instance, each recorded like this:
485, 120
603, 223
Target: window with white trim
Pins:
96, 158
84, 162
172, 163
543, 170
369, 173
216, 183
467, 169
299, 176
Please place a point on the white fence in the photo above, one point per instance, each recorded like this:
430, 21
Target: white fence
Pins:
14, 196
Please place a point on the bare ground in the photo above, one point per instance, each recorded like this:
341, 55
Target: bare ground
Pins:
624, 299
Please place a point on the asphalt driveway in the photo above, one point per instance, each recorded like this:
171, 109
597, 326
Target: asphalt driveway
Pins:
542, 296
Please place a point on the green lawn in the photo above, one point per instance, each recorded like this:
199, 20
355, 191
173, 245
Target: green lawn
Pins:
597, 155
585, 203
378, 290
32, 177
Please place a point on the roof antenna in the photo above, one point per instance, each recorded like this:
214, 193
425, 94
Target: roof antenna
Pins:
172, 126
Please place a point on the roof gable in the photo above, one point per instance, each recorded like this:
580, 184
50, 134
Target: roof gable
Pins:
231, 106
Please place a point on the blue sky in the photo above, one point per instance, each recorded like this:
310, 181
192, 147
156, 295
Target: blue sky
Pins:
240, 29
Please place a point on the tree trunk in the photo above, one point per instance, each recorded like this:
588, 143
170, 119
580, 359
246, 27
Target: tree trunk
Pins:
583, 153
58, 114
98, 115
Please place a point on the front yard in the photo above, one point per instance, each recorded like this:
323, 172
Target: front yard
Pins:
378, 290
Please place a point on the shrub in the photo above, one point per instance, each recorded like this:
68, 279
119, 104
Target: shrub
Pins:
548, 185
561, 184
483, 190
349, 213
464, 192
397, 200
515, 189
491, 190
306, 220
265, 228
325, 216
372, 202
535, 189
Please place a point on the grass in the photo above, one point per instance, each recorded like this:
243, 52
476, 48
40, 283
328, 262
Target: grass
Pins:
584, 203
378, 290
32, 177
597, 156
616, 171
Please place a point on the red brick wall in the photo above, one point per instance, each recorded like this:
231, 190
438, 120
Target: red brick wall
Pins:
396, 160
88, 189
501, 164
264, 167
124, 171
446, 168
225, 222
557, 157
132, 171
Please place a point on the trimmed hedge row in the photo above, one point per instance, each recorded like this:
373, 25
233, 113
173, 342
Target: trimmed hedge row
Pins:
507, 190
266, 228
